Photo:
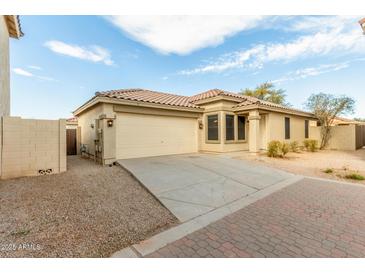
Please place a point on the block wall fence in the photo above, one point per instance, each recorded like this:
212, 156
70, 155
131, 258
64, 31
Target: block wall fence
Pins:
31, 147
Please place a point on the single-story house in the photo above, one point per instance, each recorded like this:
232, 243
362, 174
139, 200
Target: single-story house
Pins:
132, 123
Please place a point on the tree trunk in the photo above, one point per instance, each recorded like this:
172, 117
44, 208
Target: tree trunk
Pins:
325, 136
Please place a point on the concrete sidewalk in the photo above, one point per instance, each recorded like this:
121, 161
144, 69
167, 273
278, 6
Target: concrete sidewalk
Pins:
195, 184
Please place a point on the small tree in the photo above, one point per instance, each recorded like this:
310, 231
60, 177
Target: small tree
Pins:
267, 92
326, 107
359, 119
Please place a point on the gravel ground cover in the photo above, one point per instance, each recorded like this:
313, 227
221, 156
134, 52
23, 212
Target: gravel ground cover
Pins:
314, 163
88, 211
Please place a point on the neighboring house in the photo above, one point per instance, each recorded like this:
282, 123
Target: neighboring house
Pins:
71, 123
9, 27
27, 146
133, 123
340, 121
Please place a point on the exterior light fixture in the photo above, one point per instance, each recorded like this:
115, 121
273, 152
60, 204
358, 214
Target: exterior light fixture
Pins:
92, 125
110, 123
362, 24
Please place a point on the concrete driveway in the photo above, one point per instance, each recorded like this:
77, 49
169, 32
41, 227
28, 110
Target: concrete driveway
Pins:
190, 185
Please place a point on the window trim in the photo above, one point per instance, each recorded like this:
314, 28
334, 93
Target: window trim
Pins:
235, 141
207, 141
285, 136
225, 128
306, 129
245, 127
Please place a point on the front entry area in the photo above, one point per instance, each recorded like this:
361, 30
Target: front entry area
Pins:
141, 135
191, 185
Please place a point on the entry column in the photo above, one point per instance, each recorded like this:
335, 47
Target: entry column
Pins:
254, 131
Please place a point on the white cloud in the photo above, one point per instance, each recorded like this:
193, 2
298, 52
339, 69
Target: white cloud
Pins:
182, 34
35, 67
22, 72
311, 71
45, 78
343, 37
92, 53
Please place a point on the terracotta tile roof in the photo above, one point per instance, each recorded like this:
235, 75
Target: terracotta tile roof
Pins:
254, 101
343, 120
14, 26
149, 96
143, 95
72, 119
246, 100
213, 93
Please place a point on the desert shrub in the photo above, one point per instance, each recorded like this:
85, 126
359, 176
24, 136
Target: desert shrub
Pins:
274, 149
294, 146
310, 145
328, 170
285, 148
355, 176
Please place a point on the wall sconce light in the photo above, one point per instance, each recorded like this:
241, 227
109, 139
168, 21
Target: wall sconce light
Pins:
92, 125
200, 124
110, 123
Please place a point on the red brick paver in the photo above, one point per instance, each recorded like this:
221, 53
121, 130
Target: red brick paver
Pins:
308, 219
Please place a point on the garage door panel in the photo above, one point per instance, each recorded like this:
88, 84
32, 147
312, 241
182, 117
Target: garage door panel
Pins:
152, 135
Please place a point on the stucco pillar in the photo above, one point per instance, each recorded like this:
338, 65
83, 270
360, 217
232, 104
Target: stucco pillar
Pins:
254, 131
108, 142
62, 145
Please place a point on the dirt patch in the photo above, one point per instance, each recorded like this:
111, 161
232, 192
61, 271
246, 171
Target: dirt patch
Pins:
315, 163
88, 211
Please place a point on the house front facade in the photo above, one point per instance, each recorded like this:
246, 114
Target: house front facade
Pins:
132, 123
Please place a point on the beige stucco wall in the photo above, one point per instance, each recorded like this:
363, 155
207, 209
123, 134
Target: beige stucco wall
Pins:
31, 145
342, 137
88, 134
140, 131
276, 127
221, 108
137, 131
4, 69
71, 126
139, 135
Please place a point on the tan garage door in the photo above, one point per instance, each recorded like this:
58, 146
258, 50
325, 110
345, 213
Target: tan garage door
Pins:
151, 135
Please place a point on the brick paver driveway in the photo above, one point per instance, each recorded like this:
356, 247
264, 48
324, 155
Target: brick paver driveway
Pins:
307, 219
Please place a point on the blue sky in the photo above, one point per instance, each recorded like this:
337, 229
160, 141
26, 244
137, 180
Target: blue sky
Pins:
63, 60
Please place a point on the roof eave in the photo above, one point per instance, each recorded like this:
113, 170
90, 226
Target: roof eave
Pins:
14, 27
217, 98
93, 101
99, 99
274, 109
